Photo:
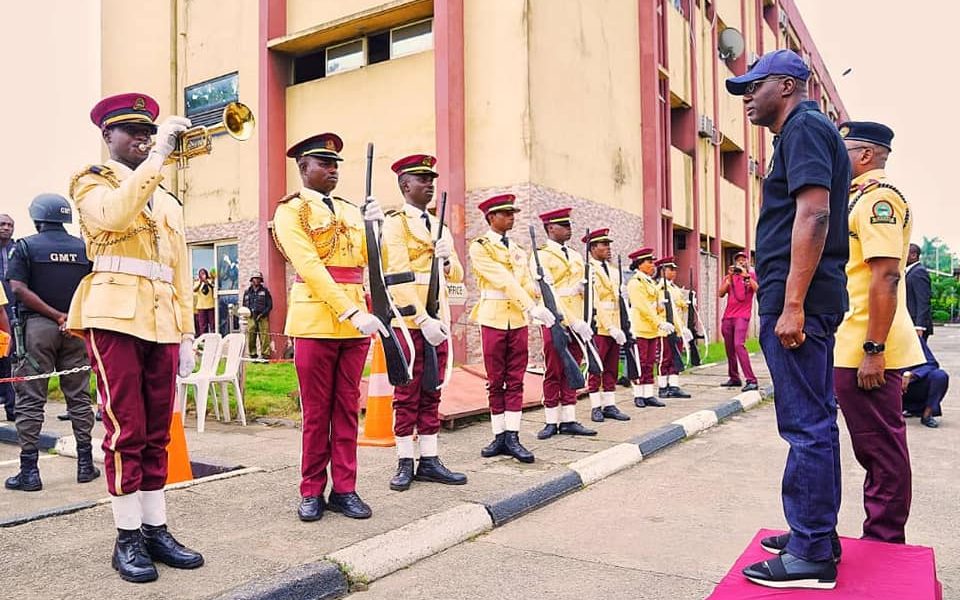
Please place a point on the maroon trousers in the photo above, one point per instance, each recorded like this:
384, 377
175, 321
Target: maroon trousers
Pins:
555, 388
137, 381
609, 353
505, 361
413, 407
647, 349
205, 321
329, 372
734, 331
879, 438
667, 366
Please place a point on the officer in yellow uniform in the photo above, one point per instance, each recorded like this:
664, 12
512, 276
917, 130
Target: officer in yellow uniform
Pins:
410, 244
136, 312
648, 320
609, 335
876, 339
563, 269
507, 302
674, 308
323, 237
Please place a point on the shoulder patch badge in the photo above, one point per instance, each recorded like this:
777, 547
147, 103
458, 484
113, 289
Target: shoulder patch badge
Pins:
883, 213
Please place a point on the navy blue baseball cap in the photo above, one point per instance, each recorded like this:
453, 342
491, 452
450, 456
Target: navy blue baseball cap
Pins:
778, 62
867, 131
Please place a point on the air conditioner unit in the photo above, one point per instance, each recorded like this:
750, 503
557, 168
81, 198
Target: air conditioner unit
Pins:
705, 127
784, 20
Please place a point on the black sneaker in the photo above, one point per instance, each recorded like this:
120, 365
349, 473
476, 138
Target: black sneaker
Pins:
731, 383
930, 422
776, 544
750, 387
787, 571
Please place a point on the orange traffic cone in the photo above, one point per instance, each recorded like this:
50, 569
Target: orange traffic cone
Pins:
178, 461
378, 424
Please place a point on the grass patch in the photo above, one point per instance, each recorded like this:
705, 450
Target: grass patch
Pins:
716, 352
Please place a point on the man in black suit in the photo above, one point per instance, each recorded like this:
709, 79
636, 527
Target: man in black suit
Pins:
918, 293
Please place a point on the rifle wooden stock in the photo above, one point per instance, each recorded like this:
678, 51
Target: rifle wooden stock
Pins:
630, 346
558, 333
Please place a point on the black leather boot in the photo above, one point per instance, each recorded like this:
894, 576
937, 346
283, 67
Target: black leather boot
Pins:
549, 430
311, 508
495, 447
350, 505
575, 428
513, 447
401, 481
86, 471
431, 469
163, 547
130, 557
28, 479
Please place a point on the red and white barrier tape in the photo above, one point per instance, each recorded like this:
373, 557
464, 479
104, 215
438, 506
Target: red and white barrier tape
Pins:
43, 375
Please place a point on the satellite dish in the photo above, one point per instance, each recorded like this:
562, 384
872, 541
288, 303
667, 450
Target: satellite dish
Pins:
730, 44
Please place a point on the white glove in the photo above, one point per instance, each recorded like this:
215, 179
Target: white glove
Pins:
443, 249
667, 328
687, 335
167, 132
618, 336
372, 210
623, 290
368, 324
582, 329
433, 330
540, 313
187, 359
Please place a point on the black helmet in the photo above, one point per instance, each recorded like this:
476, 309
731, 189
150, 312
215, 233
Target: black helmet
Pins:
51, 208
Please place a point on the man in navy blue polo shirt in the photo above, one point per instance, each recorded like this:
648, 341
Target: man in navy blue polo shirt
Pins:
802, 250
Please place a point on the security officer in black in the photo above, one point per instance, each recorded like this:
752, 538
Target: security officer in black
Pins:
44, 272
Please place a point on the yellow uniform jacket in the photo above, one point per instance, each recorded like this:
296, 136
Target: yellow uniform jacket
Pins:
646, 310
680, 305
203, 301
507, 291
880, 227
566, 274
605, 289
313, 238
141, 282
408, 246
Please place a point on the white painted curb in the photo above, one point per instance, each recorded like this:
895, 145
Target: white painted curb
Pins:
749, 399
67, 446
696, 422
388, 552
606, 462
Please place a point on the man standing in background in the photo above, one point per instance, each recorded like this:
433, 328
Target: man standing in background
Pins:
741, 285
918, 293
258, 299
7, 395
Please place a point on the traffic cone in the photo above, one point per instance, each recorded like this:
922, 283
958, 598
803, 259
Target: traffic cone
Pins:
178, 461
378, 424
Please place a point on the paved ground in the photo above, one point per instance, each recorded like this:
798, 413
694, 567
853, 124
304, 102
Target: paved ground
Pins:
246, 525
671, 527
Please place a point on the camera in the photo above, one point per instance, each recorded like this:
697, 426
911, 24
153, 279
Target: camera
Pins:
737, 270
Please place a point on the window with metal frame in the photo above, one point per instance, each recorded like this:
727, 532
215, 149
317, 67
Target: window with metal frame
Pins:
411, 38
205, 101
345, 57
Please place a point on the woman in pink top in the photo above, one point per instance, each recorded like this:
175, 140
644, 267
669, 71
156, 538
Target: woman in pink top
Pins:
741, 285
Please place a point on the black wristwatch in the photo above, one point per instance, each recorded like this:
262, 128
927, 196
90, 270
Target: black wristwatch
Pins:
873, 347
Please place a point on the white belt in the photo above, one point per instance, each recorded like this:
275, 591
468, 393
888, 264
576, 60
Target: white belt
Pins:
421, 278
607, 305
568, 291
150, 269
493, 295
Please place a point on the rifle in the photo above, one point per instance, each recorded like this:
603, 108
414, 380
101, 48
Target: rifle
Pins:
673, 340
399, 371
430, 380
594, 365
561, 339
630, 346
695, 359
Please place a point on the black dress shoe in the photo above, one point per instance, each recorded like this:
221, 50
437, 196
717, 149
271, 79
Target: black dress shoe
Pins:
597, 414
750, 387
663, 392
350, 505
311, 508
930, 422
513, 447
676, 392
639, 402
612, 412
163, 547
431, 469
401, 481
788, 571
575, 428
495, 447
130, 558
651, 401
907, 414
549, 430
731, 383
777, 544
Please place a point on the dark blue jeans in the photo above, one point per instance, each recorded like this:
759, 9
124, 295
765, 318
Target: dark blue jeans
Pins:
807, 420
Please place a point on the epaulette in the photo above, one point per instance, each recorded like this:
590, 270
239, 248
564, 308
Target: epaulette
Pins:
393, 213
343, 200
179, 201
289, 197
541, 247
481, 240
98, 170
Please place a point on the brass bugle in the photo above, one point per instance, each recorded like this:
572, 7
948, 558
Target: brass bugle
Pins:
237, 121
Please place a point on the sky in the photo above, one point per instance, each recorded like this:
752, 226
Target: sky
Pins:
900, 56
903, 60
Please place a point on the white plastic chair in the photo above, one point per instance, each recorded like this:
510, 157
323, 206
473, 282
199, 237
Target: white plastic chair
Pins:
231, 349
208, 345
